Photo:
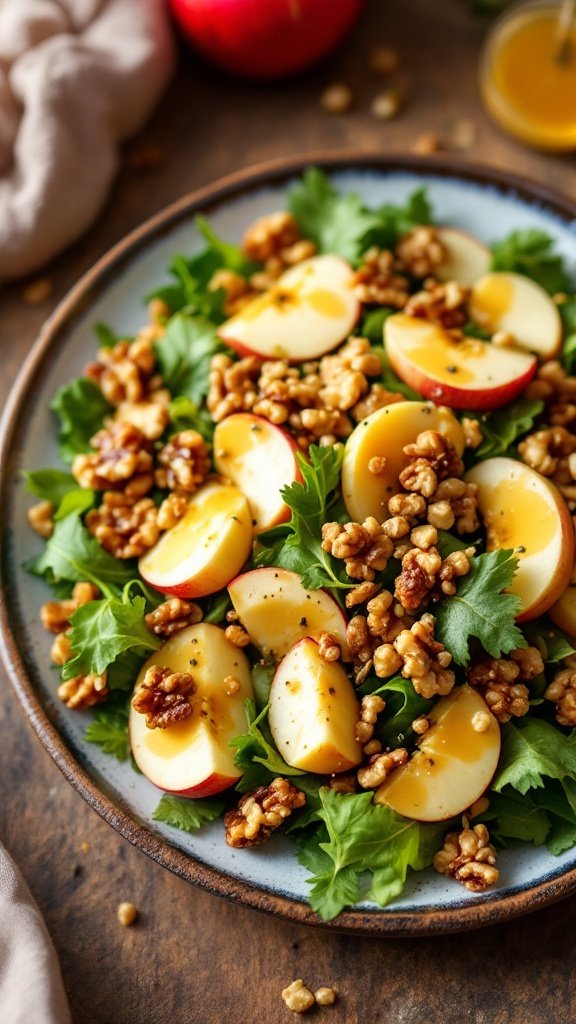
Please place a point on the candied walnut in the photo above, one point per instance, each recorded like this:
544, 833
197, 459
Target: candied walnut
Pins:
454, 566
232, 385
237, 635
358, 640
61, 650
171, 510
377, 398
383, 621
364, 548
124, 371
420, 251
562, 690
260, 812
321, 423
370, 707
40, 518
122, 461
440, 515
173, 615
164, 697
463, 500
297, 997
56, 615
268, 236
421, 725
344, 782
424, 537
408, 505
435, 449
469, 857
379, 767
184, 462
443, 304
124, 527
328, 647
237, 288
417, 577
473, 435
150, 417
325, 996
558, 390
387, 661
83, 691
362, 592
377, 281
344, 374
552, 452
500, 682
425, 661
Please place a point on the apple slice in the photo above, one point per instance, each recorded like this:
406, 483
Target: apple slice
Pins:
260, 459
309, 311
464, 374
454, 764
504, 301
467, 258
523, 510
385, 433
313, 712
277, 611
193, 758
207, 546
563, 613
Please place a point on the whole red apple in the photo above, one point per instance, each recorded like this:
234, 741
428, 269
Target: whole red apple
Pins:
265, 38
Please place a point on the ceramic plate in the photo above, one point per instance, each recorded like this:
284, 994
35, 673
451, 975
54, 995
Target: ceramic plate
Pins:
486, 203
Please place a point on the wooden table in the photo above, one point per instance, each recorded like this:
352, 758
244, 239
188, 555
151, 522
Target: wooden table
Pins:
192, 957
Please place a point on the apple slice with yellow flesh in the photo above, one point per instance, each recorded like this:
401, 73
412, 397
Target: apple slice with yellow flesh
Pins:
308, 311
277, 611
260, 459
193, 757
464, 374
455, 762
206, 548
504, 301
523, 510
563, 613
467, 258
313, 712
384, 434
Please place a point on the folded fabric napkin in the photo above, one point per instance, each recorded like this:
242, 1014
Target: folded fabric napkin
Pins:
31, 990
76, 77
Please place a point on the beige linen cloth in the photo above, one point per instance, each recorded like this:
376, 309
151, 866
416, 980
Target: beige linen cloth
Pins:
76, 77
31, 990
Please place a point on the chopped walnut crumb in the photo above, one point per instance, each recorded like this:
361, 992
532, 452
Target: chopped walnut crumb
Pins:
164, 697
83, 691
125, 527
420, 251
297, 997
183, 462
173, 615
40, 518
473, 435
237, 635
126, 914
380, 766
378, 282
371, 706
260, 812
328, 647
56, 615
469, 857
61, 650
502, 681
344, 782
445, 304
231, 685
325, 996
562, 690
421, 725
377, 465
122, 461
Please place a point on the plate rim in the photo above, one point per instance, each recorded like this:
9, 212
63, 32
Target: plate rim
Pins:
388, 922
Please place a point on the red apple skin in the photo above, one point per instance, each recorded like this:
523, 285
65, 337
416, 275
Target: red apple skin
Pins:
212, 785
458, 398
265, 39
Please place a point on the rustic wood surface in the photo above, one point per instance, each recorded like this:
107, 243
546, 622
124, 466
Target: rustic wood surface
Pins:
192, 957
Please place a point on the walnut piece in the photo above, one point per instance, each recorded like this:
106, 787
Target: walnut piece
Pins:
260, 812
122, 461
371, 706
469, 857
173, 615
377, 281
56, 615
380, 766
502, 681
125, 527
364, 548
442, 304
164, 697
183, 462
297, 997
83, 691
562, 690
420, 251
125, 371
40, 518
424, 659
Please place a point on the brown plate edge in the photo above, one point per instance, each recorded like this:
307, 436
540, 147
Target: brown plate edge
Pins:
387, 922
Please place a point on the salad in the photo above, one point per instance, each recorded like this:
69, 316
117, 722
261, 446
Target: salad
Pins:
311, 546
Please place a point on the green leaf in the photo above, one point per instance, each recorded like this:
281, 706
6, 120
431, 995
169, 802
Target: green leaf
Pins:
394, 220
553, 645
336, 223
72, 553
567, 311
107, 338
123, 672
256, 747
188, 815
403, 705
186, 415
562, 835
372, 324
532, 751
262, 675
75, 503
363, 837
503, 427
230, 256
184, 355
109, 730
81, 408
481, 609
516, 817
217, 606
50, 484
104, 629
530, 251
